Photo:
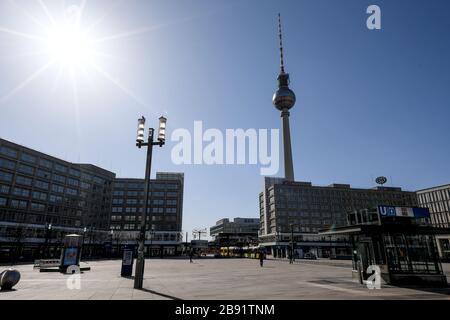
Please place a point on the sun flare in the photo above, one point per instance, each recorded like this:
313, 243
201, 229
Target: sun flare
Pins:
69, 46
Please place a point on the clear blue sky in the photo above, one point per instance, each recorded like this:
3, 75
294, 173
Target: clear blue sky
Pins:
369, 103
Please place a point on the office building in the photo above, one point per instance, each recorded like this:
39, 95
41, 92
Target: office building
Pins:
437, 200
164, 216
303, 209
239, 232
42, 198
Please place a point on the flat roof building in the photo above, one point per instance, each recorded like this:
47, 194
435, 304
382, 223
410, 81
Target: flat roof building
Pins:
437, 200
164, 216
237, 233
307, 208
45, 197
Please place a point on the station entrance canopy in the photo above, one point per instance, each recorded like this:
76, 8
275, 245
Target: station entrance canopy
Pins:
398, 240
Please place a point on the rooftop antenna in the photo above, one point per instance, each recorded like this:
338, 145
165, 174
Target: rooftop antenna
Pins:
281, 43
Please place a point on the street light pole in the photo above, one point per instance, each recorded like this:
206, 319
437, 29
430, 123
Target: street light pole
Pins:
82, 244
292, 244
140, 262
48, 228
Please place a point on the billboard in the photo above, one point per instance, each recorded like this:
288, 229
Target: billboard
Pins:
407, 212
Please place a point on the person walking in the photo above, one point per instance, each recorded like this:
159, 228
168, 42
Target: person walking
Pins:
261, 259
191, 254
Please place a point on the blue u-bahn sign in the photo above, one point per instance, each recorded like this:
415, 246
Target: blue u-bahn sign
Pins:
408, 212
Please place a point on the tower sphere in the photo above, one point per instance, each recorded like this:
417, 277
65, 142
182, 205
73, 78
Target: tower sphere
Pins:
284, 98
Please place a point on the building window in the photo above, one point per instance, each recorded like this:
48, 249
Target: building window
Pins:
60, 168
19, 204
71, 192
117, 201
39, 195
21, 192
59, 178
4, 189
85, 185
28, 158
73, 182
5, 176
86, 176
42, 173
8, 152
58, 189
45, 163
6, 164
37, 206
54, 198
23, 180
98, 180
41, 184
117, 209
74, 172
3, 202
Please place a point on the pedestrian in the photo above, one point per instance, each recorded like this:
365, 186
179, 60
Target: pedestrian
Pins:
191, 254
261, 259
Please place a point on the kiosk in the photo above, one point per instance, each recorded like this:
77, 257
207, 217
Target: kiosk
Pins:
397, 240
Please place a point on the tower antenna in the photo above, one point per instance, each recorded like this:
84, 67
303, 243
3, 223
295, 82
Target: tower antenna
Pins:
281, 43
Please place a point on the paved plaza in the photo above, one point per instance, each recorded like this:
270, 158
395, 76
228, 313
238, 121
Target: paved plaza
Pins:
239, 279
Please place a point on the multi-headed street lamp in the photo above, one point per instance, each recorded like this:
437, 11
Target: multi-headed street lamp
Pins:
140, 142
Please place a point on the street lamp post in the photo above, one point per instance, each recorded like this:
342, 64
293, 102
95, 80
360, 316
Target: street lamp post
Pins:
291, 260
140, 142
292, 244
82, 242
48, 229
111, 234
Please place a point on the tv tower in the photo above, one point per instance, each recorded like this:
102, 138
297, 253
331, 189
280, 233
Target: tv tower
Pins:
284, 99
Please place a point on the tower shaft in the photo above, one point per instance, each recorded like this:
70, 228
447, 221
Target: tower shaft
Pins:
288, 164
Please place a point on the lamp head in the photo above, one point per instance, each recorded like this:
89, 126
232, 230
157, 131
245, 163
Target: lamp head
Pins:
140, 130
162, 129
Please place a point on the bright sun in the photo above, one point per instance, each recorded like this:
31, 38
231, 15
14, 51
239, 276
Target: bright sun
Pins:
70, 42
69, 46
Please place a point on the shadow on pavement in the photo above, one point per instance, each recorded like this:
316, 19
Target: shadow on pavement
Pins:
437, 290
160, 294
